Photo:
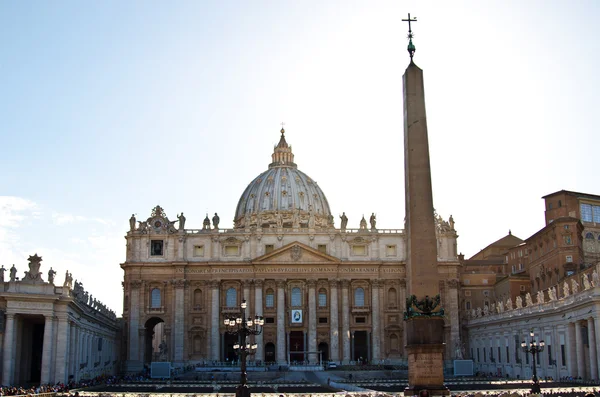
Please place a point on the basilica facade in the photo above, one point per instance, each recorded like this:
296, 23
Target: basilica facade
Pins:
326, 293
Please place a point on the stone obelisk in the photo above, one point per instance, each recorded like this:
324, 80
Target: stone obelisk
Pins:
424, 321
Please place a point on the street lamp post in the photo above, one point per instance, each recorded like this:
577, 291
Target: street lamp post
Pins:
244, 327
534, 347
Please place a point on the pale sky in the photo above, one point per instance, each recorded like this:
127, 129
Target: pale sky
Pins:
108, 108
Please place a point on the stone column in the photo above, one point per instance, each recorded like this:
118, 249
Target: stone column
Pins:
214, 321
258, 308
47, 350
281, 320
579, 351
62, 339
179, 325
312, 320
345, 322
593, 348
134, 323
246, 286
8, 364
375, 326
452, 310
334, 332
597, 343
570, 349
402, 297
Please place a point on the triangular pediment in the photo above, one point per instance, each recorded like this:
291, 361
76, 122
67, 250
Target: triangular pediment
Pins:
296, 252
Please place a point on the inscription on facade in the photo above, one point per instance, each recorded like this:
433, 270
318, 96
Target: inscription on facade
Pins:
287, 270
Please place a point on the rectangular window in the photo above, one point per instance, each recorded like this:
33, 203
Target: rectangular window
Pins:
269, 248
269, 320
390, 250
478, 357
486, 293
359, 250
232, 250
484, 355
586, 212
322, 248
361, 320
485, 281
468, 305
322, 299
596, 215
466, 281
156, 247
270, 300
507, 354
322, 320
198, 250
499, 355
569, 259
549, 347
527, 358
563, 356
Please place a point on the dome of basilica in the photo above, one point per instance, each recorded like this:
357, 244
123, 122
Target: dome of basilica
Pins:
283, 196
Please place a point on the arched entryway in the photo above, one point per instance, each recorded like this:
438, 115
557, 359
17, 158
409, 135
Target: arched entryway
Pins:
156, 344
270, 353
324, 349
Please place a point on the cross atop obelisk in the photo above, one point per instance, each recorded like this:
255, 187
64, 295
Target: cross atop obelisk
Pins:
411, 47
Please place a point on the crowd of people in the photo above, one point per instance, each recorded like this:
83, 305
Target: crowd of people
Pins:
67, 387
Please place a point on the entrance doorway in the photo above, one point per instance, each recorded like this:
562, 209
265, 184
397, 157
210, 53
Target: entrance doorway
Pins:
229, 353
297, 347
324, 349
361, 349
156, 345
269, 353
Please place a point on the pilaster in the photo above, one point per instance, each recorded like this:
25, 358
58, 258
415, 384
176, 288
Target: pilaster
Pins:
345, 322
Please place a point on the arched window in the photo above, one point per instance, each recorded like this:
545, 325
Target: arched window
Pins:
155, 298
322, 297
359, 297
589, 236
392, 297
270, 298
198, 298
296, 297
231, 298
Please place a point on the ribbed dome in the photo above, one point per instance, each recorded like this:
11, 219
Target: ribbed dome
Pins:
283, 196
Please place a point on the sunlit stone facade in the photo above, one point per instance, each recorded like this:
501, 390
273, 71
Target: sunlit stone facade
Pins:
327, 293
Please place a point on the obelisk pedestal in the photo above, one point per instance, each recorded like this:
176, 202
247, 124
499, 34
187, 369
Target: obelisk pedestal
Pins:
425, 348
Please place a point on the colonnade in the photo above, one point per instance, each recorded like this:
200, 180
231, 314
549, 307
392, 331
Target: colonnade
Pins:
68, 348
571, 349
